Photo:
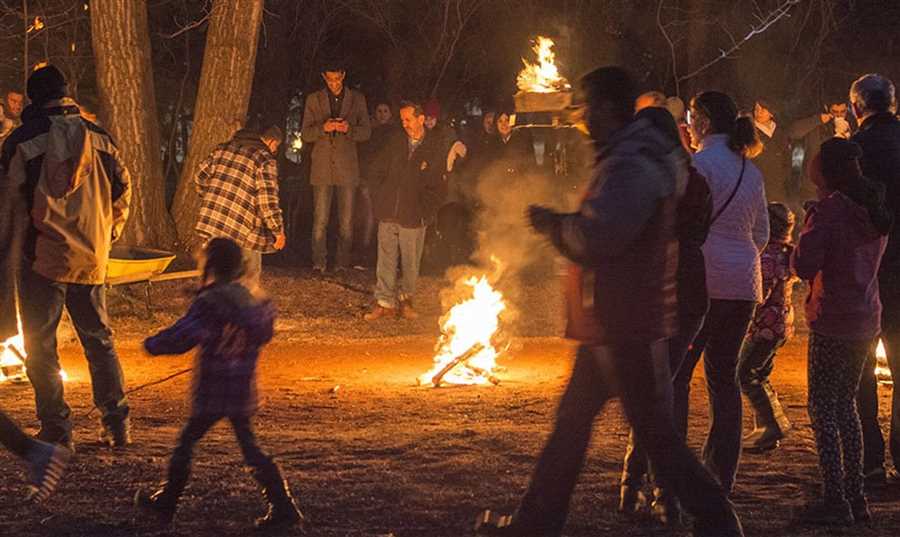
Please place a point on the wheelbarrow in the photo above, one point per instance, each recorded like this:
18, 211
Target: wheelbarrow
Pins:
129, 265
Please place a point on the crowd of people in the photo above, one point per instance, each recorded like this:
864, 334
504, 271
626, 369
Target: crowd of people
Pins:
683, 247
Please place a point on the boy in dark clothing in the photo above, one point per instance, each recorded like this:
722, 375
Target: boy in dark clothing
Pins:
772, 326
230, 326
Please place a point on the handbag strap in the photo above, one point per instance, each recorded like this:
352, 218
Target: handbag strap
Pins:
733, 192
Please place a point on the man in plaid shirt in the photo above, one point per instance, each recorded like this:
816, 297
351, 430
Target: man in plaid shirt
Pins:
238, 187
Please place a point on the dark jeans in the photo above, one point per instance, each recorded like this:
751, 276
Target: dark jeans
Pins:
13, 438
636, 462
196, 428
639, 373
720, 342
42, 303
867, 398
322, 195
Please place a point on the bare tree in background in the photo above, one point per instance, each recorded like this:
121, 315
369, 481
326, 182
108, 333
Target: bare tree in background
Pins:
222, 98
121, 43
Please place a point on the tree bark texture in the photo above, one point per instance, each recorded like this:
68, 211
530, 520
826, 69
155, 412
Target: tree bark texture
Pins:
121, 42
222, 99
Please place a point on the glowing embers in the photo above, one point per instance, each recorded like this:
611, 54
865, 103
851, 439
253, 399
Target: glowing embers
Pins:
543, 76
882, 372
466, 352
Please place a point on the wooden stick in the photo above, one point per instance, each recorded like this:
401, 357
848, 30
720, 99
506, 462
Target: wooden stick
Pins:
473, 350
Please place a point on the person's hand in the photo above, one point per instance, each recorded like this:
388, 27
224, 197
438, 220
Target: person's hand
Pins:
825, 117
458, 150
279, 241
541, 218
330, 125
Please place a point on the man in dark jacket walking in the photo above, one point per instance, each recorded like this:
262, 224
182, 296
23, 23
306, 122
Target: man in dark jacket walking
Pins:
874, 103
335, 119
626, 234
407, 182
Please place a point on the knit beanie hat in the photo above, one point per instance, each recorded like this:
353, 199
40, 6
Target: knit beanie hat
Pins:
46, 84
781, 221
432, 108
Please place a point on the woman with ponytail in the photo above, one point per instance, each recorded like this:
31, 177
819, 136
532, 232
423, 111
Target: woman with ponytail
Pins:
739, 231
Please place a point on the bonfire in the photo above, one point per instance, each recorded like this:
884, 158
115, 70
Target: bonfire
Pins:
466, 352
882, 371
12, 359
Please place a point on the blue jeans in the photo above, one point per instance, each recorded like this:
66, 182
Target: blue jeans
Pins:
42, 302
403, 244
252, 265
322, 195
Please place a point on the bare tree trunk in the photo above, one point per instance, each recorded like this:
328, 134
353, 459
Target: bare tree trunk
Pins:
121, 42
222, 98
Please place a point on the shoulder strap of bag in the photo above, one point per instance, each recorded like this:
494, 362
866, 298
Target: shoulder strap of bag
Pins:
733, 192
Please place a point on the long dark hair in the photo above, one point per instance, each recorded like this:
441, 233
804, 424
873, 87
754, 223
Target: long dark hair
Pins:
224, 262
841, 172
723, 117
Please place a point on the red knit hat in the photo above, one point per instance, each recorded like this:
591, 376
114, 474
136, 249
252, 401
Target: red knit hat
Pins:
432, 108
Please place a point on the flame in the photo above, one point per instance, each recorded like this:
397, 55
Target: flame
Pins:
882, 371
542, 77
469, 324
11, 352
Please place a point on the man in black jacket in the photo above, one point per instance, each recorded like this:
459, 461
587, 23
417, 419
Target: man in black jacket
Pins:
874, 104
407, 182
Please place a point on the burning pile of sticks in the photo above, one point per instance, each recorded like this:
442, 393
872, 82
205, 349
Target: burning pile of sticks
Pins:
463, 361
13, 369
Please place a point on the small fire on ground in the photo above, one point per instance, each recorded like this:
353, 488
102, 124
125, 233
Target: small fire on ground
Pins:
882, 371
466, 353
12, 359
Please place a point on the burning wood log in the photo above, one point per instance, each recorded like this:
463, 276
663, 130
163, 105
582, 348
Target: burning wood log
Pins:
483, 373
462, 358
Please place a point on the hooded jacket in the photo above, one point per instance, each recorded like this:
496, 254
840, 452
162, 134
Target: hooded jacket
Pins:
230, 326
626, 232
839, 251
74, 188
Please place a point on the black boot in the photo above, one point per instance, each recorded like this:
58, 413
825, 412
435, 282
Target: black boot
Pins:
771, 421
162, 503
282, 511
666, 509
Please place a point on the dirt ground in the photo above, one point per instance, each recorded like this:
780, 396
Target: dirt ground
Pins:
367, 452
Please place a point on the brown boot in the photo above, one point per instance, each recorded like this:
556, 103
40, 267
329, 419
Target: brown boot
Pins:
379, 312
407, 311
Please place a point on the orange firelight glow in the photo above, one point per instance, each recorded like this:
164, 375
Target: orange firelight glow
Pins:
543, 76
882, 371
12, 351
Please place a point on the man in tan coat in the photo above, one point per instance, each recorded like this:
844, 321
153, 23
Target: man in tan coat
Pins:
335, 119
75, 195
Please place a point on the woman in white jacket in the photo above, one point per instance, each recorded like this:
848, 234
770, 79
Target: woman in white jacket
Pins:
740, 230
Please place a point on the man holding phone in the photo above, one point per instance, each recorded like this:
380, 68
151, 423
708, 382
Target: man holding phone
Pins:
335, 119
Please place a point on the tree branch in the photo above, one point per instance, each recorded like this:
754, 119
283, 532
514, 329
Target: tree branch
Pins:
765, 23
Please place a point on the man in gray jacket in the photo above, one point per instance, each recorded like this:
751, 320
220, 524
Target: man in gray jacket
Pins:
335, 119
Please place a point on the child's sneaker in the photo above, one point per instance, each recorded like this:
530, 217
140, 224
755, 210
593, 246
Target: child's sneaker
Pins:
46, 464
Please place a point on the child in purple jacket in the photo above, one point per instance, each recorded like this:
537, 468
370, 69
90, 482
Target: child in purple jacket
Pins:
839, 252
771, 327
230, 326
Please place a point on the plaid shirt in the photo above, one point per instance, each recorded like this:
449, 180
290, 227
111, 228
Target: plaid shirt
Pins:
238, 186
230, 327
